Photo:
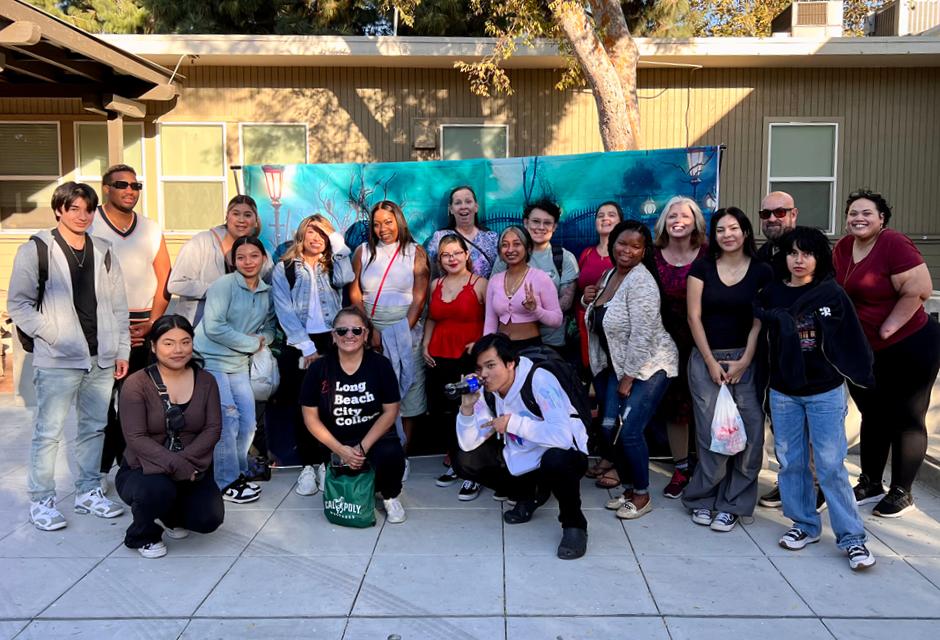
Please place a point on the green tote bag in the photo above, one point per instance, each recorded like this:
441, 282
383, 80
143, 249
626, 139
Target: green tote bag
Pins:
349, 497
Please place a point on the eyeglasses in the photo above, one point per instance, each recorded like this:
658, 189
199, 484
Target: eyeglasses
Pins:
342, 331
456, 254
124, 184
778, 213
547, 224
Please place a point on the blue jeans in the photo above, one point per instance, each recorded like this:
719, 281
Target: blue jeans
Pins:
818, 420
57, 391
230, 458
631, 455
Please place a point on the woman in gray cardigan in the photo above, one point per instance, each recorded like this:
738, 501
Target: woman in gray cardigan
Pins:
632, 358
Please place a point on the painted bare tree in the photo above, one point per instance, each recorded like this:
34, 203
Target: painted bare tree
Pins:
595, 36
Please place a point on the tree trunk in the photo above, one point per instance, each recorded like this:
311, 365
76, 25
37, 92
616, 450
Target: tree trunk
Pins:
609, 67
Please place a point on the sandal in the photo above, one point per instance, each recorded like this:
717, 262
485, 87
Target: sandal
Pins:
599, 469
609, 480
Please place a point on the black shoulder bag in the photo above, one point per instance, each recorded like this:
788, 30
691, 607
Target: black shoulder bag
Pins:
172, 412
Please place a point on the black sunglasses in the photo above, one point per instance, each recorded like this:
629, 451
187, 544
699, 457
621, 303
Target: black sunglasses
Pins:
124, 184
342, 331
779, 212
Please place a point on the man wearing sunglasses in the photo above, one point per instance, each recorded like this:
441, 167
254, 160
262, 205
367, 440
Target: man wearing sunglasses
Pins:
138, 243
777, 216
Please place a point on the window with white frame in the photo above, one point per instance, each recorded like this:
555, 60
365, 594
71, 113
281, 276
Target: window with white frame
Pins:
193, 187
273, 143
91, 152
30, 169
803, 161
463, 141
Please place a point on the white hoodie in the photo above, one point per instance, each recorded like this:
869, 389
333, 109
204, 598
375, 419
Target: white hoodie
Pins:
527, 437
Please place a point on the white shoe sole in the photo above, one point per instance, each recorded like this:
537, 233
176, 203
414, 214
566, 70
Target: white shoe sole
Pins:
861, 566
107, 516
796, 546
467, 498
870, 499
894, 515
51, 527
702, 521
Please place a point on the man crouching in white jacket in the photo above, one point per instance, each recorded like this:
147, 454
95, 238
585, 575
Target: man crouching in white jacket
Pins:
517, 454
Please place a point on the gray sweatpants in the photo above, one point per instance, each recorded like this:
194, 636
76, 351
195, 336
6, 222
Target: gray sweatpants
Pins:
724, 483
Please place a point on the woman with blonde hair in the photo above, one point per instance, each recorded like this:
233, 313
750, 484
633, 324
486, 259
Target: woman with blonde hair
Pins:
680, 239
206, 257
307, 288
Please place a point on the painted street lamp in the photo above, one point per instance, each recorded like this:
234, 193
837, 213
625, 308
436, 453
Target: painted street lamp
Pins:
696, 160
274, 183
649, 207
710, 201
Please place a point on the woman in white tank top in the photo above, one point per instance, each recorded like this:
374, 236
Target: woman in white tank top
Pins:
391, 285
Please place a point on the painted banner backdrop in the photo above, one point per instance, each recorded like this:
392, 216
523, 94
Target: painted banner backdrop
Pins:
640, 181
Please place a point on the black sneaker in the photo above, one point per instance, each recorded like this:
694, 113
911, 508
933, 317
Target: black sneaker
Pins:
447, 478
240, 493
573, 543
867, 491
724, 522
470, 490
522, 512
859, 557
895, 504
771, 499
820, 501
795, 539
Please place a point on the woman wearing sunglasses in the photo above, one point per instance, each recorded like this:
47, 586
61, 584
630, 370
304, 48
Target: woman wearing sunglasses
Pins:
206, 257
308, 289
166, 472
238, 322
350, 402
454, 323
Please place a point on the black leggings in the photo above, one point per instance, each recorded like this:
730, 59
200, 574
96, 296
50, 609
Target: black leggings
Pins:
196, 506
894, 411
388, 459
309, 449
559, 474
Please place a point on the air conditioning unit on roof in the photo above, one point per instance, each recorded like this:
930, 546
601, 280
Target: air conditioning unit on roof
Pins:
819, 20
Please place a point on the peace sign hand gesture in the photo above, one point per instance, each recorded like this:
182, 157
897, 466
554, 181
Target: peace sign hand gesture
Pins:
531, 302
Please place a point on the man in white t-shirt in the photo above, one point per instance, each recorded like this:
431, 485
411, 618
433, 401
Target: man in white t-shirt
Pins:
138, 244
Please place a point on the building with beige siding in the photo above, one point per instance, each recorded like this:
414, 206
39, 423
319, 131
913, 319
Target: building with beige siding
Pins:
814, 117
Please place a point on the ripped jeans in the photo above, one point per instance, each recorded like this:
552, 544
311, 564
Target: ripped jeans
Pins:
230, 458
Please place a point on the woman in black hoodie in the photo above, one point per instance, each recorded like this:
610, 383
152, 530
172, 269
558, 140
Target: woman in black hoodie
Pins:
816, 343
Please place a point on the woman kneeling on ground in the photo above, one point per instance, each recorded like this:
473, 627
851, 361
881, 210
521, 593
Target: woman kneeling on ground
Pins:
166, 472
816, 343
350, 401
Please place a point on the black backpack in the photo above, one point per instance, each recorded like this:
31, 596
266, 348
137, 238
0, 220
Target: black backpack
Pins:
42, 255
546, 358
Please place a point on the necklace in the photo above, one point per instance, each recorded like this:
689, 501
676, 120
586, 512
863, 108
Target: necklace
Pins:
511, 290
80, 263
734, 275
122, 228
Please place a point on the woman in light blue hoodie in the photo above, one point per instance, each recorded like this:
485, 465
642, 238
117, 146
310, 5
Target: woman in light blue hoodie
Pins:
238, 322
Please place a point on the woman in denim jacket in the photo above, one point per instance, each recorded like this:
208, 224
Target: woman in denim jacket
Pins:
308, 292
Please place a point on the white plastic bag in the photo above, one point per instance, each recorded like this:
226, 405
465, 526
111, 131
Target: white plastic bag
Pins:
264, 375
728, 436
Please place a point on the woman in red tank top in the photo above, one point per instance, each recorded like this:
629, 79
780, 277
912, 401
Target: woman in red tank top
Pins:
454, 323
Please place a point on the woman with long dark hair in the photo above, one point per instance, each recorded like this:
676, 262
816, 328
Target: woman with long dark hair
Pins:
463, 220
722, 288
632, 358
390, 287
238, 322
171, 418
350, 403
307, 286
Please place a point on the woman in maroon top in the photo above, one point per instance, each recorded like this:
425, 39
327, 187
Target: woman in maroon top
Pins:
888, 281
454, 323
166, 472
680, 239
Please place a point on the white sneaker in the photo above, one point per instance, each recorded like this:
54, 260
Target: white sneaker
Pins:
321, 475
44, 515
394, 511
404, 476
177, 533
153, 550
307, 482
95, 503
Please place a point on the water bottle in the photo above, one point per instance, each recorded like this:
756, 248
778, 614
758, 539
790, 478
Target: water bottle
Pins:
470, 384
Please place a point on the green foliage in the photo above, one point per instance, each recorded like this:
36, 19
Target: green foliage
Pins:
100, 16
753, 17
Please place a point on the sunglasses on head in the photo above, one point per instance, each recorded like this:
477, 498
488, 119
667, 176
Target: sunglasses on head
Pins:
342, 331
124, 184
779, 212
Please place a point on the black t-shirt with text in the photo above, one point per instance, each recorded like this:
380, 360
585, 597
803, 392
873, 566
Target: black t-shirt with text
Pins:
727, 312
350, 405
820, 375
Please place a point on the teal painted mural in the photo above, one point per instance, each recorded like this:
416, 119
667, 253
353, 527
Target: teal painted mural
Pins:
640, 181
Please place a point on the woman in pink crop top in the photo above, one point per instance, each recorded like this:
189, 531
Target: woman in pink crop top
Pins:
453, 325
520, 299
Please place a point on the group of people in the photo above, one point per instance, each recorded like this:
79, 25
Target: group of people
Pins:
371, 338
